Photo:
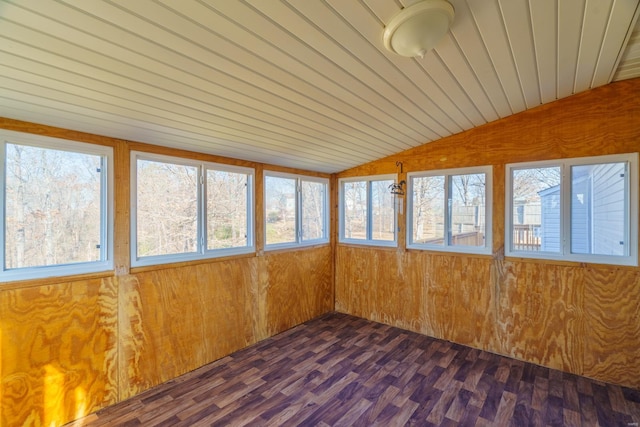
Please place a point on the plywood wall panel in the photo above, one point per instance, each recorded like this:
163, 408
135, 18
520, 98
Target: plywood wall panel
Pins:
436, 295
470, 314
540, 314
59, 351
299, 287
612, 325
185, 318
174, 320
533, 311
131, 337
379, 288
439, 296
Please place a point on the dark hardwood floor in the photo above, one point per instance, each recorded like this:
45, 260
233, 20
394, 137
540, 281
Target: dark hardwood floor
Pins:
339, 370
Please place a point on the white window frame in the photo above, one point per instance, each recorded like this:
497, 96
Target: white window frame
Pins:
447, 174
201, 251
565, 254
106, 207
298, 232
368, 242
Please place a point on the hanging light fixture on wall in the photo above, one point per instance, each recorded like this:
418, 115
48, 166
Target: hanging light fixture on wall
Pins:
416, 29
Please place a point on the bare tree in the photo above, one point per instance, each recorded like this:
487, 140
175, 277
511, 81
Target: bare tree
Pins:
53, 204
167, 208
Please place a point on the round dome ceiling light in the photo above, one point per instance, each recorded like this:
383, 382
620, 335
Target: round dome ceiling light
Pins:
416, 29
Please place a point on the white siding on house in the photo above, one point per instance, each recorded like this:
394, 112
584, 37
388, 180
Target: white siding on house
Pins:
609, 209
550, 222
598, 209
581, 214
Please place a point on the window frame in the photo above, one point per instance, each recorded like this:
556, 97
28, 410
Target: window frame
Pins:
106, 262
298, 209
202, 252
565, 254
487, 248
369, 241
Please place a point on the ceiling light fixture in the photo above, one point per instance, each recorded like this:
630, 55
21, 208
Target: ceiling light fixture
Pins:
416, 29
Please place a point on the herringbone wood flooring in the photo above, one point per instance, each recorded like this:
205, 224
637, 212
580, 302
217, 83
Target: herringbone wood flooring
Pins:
342, 370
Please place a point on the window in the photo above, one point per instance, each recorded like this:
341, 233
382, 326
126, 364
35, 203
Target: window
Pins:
228, 209
296, 210
56, 207
367, 211
450, 210
184, 210
582, 209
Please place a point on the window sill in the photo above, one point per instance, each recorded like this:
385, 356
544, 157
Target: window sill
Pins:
569, 263
32, 283
187, 263
369, 246
292, 248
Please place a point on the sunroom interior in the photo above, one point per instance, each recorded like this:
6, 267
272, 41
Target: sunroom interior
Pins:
182, 180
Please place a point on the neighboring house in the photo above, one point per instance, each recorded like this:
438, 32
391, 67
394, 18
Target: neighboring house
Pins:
597, 211
550, 219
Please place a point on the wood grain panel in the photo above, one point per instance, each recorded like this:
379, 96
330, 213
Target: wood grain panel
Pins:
469, 315
579, 318
122, 200
436, 295
612, 325
299, 287
184, 318
374, 286
539, 309
131, 337
178, 319
58, 348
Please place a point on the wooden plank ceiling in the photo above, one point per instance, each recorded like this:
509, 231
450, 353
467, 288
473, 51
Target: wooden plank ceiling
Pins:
300, 83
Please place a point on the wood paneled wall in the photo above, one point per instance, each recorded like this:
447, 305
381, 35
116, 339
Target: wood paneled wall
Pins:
70, 346
580, 318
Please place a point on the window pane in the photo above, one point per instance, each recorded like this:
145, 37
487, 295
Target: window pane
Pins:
355, 210
467, 210
280, 209
226, 209
598, 218
382, 211
313, 210
167, 208
53, 207
428, 210
536, 209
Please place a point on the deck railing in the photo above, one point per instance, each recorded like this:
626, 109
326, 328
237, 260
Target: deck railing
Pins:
525, 238
471, 238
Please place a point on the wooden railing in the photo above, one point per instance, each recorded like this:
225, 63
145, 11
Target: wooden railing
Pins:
524, 238
471, 238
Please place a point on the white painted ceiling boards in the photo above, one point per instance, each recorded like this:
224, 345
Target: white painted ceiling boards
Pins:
301, 83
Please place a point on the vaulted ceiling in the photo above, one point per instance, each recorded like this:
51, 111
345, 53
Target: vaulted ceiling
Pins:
300, 83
